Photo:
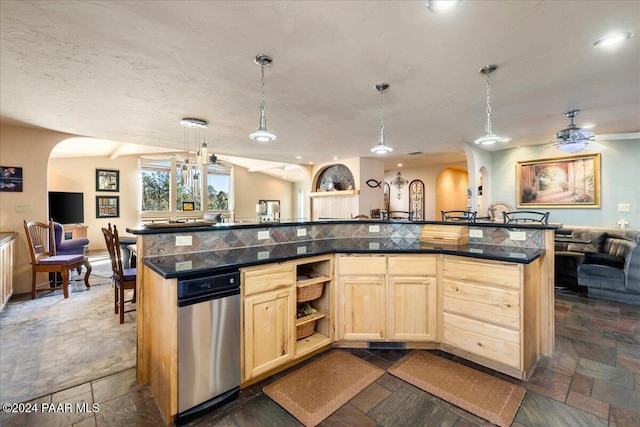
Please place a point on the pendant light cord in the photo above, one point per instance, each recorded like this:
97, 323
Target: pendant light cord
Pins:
381, 119
487, 127
262, 102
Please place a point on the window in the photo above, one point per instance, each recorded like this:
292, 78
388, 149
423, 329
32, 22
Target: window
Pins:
165, 188
218, 184
155, 186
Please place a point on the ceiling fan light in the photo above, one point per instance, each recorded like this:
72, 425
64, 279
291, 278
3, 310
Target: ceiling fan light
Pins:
571, 146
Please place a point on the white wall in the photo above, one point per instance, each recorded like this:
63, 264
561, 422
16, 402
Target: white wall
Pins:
619, 182
249, 187
78, 174
428, 175
28, 148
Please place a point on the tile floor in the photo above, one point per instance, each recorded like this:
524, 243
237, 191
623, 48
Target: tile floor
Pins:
593, 379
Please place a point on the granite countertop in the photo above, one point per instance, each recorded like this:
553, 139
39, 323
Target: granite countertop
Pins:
194, 226
7, 236
195, 264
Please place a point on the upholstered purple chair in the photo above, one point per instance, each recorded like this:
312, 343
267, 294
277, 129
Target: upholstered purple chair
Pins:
68, 246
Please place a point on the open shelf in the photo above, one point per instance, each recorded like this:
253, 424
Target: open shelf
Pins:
311, 343
313, 283
310, 318
313, 278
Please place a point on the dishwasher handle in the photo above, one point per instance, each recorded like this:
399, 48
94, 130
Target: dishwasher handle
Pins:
183, 302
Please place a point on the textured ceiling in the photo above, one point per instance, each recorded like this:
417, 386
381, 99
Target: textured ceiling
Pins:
129, 71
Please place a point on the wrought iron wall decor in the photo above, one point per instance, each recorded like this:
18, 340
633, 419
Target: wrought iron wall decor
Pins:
399, 182
416, 199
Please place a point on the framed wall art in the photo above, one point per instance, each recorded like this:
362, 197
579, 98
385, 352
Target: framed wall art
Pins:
107, 206
107, 180
565, 182
11, 179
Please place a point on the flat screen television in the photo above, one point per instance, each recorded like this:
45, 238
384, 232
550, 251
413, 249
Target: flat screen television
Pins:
66, 207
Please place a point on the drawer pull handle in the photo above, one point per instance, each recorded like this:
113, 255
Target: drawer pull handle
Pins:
506, 305
454, 289
479, 344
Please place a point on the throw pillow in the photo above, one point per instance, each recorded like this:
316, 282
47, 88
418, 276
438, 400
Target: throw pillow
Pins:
595, 240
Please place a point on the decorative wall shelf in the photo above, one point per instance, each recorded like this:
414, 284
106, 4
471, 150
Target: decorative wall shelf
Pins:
334, 193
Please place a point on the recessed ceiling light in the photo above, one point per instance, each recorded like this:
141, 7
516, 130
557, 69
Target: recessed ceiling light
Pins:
399, 165
441, 5
298, 157
335, 157
613, 39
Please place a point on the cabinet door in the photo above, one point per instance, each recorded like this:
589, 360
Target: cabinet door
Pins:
363, 308
413, 308
269, 330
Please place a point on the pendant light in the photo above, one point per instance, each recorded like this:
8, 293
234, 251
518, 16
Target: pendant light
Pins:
189, 170
489, 137
381, 148
262, 134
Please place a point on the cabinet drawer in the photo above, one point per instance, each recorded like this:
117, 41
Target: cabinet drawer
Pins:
489, 341
507, 275
362, 265
260, 279
420, 266
487, 303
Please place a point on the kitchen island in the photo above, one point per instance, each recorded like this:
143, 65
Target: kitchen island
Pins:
379, 284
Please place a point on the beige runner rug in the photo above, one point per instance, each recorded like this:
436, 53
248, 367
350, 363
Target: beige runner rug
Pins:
481, 394
317, 390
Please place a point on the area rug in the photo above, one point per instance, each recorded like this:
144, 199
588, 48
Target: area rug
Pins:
317, 390
51, 343
481, 394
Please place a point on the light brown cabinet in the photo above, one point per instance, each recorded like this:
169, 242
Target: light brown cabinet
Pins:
269, 324
387, 298
6, 272
486, 314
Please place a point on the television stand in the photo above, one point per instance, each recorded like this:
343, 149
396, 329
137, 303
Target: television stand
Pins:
75, 231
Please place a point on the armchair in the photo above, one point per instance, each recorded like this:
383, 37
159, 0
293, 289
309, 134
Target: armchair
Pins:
68, 246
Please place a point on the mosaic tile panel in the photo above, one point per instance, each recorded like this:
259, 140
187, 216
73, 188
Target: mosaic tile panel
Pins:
207, 240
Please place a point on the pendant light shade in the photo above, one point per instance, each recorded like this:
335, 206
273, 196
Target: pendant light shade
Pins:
489, 137
262, 134
381, 147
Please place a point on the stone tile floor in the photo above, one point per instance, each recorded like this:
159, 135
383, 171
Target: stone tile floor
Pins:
593, 379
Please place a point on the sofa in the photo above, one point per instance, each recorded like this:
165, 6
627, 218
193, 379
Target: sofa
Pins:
605, 262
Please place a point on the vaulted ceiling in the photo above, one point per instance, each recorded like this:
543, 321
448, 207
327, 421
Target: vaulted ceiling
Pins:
128, 71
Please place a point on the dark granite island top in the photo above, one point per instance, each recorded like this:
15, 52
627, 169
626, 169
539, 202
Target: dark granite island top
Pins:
192, 264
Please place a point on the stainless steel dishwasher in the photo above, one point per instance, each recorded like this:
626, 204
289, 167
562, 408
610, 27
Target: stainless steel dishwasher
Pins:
208, 344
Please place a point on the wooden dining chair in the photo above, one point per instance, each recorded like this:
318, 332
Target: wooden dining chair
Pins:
123, 278
40, 239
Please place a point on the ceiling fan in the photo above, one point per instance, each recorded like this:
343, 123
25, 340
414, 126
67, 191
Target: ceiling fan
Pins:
573, 138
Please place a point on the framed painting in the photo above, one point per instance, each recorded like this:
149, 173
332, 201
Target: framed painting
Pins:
11, 179
107, 180
565, 182
107, 206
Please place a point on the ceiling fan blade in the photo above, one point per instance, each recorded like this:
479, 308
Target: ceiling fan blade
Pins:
617, 136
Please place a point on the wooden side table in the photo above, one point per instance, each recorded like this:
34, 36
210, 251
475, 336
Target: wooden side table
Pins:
76, 230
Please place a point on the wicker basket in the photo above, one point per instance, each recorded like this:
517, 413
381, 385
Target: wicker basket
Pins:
308, 293
304, 330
